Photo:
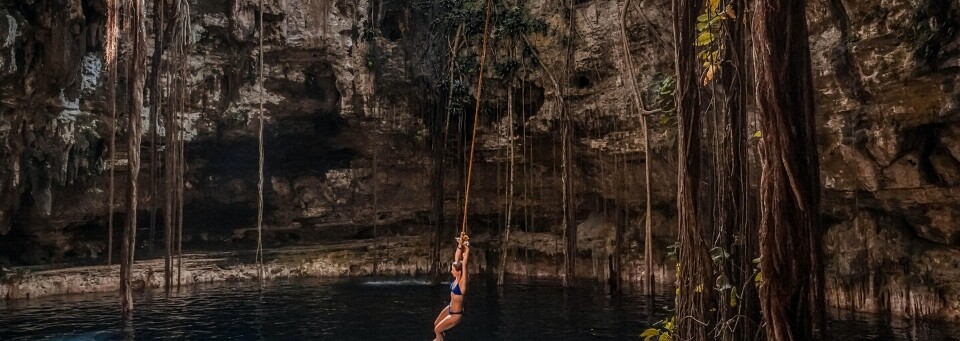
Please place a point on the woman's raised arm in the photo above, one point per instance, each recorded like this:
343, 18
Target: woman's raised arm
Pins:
458, 254
464, 267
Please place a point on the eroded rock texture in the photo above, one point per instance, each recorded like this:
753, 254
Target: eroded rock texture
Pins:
352, 98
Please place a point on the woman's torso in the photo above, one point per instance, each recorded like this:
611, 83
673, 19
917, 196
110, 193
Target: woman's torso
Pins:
456, 301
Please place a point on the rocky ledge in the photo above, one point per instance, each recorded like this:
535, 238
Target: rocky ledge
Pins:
537, 255
396, 257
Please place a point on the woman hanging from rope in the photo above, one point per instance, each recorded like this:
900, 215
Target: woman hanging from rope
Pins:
451, 314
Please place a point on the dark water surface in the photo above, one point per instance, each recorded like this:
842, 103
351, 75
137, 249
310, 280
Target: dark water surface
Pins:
376, 309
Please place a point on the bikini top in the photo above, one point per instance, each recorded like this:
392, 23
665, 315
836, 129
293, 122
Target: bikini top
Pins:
455, 288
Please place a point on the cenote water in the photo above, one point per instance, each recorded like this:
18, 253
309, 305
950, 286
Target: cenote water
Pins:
376, 309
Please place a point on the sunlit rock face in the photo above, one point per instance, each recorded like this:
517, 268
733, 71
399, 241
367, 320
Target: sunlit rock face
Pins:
352, 89
889, 113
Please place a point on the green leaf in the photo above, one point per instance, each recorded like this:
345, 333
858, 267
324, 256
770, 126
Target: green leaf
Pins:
705, 38
757, 134
703, 18
665, 337
714, 5
714, 56
733, 297
650, 332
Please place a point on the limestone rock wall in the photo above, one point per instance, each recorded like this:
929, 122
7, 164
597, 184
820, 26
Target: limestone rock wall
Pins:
350, 90
889, 112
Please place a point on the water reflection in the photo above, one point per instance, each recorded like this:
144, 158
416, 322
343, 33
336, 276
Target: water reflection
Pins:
126, 331
381, 309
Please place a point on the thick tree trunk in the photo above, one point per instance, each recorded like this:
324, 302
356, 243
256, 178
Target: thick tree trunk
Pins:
695, 315
791, 291
135, 82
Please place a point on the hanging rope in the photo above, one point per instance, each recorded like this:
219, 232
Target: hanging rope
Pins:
260, 166
476, 115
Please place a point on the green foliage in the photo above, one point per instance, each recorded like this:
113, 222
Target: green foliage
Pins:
460, 96
666, 88
422, 5
708, 43
661, 331
468, 64
452, 13
234, 118
666, 100
517, 21
367, 32
506, 68
374, 61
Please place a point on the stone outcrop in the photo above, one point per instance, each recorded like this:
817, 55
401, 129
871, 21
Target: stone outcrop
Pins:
402, 256
351, 93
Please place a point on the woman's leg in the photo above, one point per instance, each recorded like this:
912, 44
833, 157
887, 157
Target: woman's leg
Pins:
443, 313
445, 324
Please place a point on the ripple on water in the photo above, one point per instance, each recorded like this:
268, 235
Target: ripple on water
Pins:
376, 309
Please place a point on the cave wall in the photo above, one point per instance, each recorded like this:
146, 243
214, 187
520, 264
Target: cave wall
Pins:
350, 86
889, 112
